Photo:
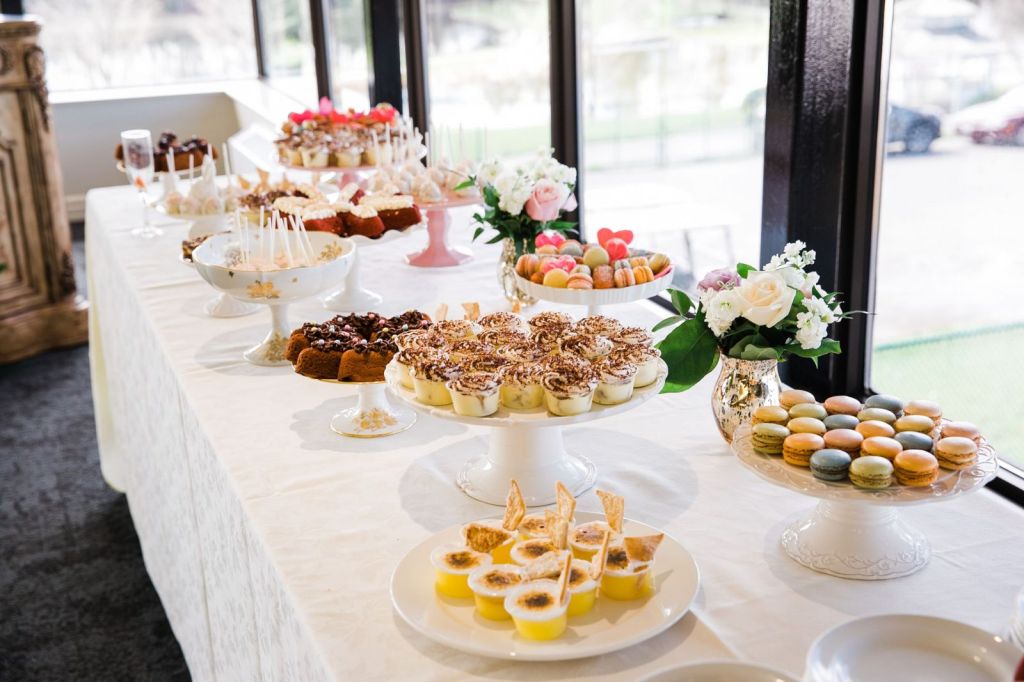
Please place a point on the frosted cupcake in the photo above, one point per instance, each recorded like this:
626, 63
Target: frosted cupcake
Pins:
430, 379
569, 393
615, 380
521, 387
601, 325
646, 360
474, 394
589, 346
406, 359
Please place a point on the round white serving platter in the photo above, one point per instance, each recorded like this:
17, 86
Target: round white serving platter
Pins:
718, 671
594, 299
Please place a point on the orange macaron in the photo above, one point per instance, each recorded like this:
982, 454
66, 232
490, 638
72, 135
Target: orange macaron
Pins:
798, 448
846, 440
875, 428
962, 430
956, 452
915, 468
881, 446
792, 396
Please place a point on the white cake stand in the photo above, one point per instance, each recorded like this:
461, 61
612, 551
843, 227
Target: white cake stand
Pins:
220, 304
856, 533
353, 297
373, 416
525, 445
439, 253
273, 288
594, 299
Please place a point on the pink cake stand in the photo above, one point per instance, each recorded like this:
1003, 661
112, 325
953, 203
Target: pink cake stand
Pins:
342, 175
439, 253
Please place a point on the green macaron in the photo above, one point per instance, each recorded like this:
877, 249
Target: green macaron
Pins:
885, 402
876, 414
767, 438
871, 472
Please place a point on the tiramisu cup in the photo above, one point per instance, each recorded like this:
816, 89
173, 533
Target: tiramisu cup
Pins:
590, 346
550, 320
598, 324
633, 336
547, 338
453, 330
646, 360
500, 337
504, 320
467, 348
490, 586
475, 394
430, 379
521, 388
406, 359
489, 362
521, 350
421, 338
536, 609
452, 566
568, 394
615, 380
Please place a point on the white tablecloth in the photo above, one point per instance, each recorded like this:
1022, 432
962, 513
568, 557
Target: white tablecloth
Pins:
271, 540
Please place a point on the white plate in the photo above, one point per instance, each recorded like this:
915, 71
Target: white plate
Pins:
611, 626
596, 297
904, 648
718, 671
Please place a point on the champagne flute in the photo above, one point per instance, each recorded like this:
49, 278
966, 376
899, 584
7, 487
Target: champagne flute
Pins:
140, 168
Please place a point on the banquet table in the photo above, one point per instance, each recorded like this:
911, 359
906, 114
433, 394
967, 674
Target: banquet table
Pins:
271, 540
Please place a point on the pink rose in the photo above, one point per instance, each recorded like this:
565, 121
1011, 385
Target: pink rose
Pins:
723, 278
547, 200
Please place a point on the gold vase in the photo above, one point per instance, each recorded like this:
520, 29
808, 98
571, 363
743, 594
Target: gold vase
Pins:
507, 275
742, 387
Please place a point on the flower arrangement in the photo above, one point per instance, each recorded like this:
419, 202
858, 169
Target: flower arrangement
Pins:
750, 314
525, 200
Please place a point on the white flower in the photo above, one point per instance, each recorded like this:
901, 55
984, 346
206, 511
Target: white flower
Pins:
810, 330
513, 201
505, 183
810, 284
765, 298
488, 172
775, 263
792, 250
794, 278
722, 308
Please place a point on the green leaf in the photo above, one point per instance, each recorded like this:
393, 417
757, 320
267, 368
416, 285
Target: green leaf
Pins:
465, 184
755, 352
495, 239
490, 196
681, 301
827, 347
668, 322
691, 352
477, 232
742, 269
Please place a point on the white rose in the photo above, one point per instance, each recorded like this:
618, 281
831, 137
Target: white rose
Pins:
505, 183
765, 298
721, 310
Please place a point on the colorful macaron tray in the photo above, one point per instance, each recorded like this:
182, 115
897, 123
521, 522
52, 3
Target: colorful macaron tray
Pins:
883, 445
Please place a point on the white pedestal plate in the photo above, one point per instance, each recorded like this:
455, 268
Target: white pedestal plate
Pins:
525, 445
353, 297
856, 533
594, 299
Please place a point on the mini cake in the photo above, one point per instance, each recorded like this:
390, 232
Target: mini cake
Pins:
395, 212
569, 393
490, 585
323, 218
364, 221
364, 362
320, 360
547, 338
520, 350
521, 387
452, 566
615, 380
504, 320
474, 394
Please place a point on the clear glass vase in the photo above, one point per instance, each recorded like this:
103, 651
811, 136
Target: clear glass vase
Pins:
742, 387
507, 274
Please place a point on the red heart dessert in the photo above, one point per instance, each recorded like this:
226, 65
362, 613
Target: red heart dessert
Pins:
604, 234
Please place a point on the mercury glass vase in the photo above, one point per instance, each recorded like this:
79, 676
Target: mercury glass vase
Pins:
507, 275
742, 387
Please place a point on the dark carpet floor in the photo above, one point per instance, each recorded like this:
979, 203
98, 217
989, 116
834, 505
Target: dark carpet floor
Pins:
75, 600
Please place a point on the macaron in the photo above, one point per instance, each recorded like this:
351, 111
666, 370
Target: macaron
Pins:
876, 414
912, 440
830, 464
767, 438
961, 429
881, 446
798, 448
915, 468
806, 425
770, 414
843, 404
885, 402
813, 410
925, 408
841, 421
846, 440
792, 396
955, 452
914, 422
873, 427
871, 472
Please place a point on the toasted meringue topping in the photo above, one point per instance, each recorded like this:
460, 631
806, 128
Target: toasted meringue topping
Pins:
458, 559
590, 534
496, 580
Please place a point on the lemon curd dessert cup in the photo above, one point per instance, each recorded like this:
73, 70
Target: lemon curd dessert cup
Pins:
490, 585
537, 610
646, 360
586, 538
452, 566
490, 537
628, 570
525, 551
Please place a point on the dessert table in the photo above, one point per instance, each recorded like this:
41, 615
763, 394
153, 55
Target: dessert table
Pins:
271, 540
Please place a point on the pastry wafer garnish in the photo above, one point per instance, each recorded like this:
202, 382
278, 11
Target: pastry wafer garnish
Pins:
642, 549
515, 507
546, 566
472, 310
441, 313
558, 529
614, 509
564, 501
600, 558
563, 579
481, 538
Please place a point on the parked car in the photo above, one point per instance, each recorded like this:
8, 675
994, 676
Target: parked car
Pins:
998, 121
915, 130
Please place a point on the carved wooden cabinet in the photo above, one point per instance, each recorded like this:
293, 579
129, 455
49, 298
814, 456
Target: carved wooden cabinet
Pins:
39, 307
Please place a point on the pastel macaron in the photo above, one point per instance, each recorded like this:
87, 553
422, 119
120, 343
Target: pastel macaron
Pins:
873, 427
813, 410
955, 452
876, 414
914, 422
798, 448
915, 468
925, 408
912, 440
843, 404
881, 446
806, 425
770, 414
961, 429
885, 402
841, 421
830, 464
792, 396
767, 438
871, 472
847, 440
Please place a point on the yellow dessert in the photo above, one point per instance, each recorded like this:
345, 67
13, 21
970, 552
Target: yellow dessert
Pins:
452, 566
586, 539
525, 551
490, 537
537, 610
582, 589
490, 585
627, 570
533, 526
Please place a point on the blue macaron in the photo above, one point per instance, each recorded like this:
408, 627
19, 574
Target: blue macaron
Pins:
841, 421
912, 440
830, 464
886, 402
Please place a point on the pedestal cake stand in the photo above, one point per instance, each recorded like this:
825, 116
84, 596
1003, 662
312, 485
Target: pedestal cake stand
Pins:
856, 533
373, 416
439, 253
594, 299
216, 261
342, 174
222, 305
525, 445
353, 297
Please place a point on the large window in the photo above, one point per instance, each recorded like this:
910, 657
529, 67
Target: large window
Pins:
350, 76
288, 47
93, 44
950, 321
487, 67
673, 121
